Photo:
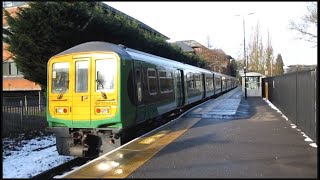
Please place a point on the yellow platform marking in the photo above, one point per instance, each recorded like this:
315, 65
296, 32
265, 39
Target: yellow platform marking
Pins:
153, 138
124, 161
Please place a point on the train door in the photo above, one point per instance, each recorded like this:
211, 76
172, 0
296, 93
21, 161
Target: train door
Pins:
204, 87
140, 88
221, 84
81, 96
214, 84
180, 95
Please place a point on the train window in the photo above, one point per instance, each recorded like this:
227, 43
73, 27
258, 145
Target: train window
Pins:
152, 81
217, 82
82, 76
162, 74
197, 81
197, 77
165, 81
151, 72
60, 77
209, 83
223, 81
139, 90
190, 80
105, 79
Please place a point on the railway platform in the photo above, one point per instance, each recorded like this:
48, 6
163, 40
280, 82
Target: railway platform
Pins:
226, 137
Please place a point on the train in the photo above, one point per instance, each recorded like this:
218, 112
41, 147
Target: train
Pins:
97, 91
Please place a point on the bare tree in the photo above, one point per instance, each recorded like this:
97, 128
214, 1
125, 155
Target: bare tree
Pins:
269, 57
216, 59
256, 61
209, 45
307, 28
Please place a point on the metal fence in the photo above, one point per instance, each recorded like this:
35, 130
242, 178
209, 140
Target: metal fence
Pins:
22, 114
295, 95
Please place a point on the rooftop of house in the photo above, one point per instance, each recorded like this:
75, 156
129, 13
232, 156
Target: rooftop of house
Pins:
192, 43
142, 25
6, 55
184, 46
18, 83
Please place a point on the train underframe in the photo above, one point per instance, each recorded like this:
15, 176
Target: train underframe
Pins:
86, 142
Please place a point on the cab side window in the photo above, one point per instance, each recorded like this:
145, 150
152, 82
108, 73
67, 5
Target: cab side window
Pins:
152, 81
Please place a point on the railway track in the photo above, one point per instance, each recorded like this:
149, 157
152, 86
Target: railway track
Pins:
61, 169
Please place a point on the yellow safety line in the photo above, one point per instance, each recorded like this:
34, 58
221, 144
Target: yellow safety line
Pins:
155, 143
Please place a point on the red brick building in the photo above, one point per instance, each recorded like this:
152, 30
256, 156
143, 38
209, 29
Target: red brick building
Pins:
12, 78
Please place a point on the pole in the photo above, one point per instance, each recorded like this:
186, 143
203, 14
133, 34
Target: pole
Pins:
245, 60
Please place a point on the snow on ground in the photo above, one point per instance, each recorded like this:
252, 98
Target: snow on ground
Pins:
27, 158
292, 125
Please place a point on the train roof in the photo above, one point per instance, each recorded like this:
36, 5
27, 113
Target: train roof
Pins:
94, 46
128, 53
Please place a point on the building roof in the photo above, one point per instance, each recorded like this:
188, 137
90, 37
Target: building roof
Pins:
6, 54
12, 11
18, 83
12, 8
251, 74
192, 43
184, 46
141, 24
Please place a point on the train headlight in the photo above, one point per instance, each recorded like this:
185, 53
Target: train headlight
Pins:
61, 110
102, 110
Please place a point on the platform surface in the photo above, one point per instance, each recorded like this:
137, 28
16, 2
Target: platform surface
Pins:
227, 137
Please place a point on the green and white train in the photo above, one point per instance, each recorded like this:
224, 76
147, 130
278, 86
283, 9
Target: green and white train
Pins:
97, 91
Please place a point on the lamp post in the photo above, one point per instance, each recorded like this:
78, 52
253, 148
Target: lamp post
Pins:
245, 57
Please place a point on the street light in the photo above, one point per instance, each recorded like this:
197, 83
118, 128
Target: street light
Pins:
244, 55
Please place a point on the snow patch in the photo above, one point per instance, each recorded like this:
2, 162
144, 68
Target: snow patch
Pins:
285, 117
314, 145
33, 157
308, 139
292, 125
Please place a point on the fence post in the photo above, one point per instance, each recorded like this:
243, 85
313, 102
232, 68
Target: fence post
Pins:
266, 89
25, 103
21, 114
315, 102
39, 101
297, 100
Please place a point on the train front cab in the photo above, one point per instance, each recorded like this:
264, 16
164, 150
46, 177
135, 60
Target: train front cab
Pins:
82, 96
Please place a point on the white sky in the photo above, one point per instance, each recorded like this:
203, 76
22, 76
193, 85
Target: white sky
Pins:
198, 20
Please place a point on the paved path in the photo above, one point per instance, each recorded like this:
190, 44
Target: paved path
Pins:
235, 138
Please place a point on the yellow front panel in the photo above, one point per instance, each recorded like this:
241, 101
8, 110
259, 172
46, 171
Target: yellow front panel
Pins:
85, 99
81, 95
107, 98
60, 97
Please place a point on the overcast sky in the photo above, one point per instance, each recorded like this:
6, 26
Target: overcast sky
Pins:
217, 20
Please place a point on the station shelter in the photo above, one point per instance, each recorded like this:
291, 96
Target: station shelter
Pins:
254, 84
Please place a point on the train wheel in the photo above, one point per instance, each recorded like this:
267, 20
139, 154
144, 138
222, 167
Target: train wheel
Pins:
63, 145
